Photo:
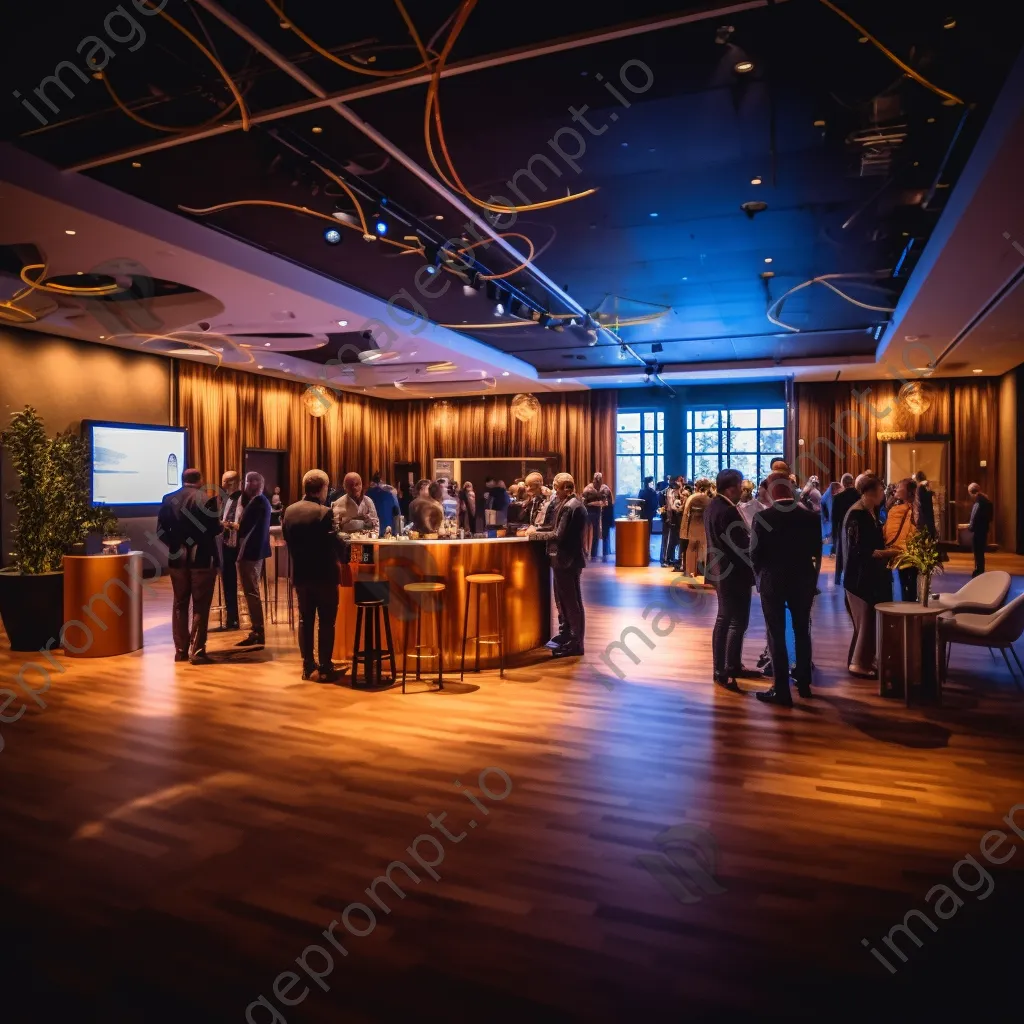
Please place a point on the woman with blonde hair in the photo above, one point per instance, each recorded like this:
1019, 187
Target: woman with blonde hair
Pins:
900, 525
692, 527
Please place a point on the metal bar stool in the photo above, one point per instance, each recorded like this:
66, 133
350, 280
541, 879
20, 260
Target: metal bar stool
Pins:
437, 589
371, 598
480, 580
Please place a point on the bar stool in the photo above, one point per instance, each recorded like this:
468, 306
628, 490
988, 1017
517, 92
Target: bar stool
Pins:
371, 599
436, 589
480, 580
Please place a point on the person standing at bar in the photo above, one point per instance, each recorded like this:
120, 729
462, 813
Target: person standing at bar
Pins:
786, 555
597, 496
188, 524
384, 501
981, 520
230, 515
253, 549
841, 504
728, 571
354, 512
315, 554
565, 548
467, 508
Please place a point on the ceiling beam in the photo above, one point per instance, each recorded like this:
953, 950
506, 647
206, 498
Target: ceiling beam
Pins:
380, 86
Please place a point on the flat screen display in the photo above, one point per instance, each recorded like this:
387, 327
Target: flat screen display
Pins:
133, 464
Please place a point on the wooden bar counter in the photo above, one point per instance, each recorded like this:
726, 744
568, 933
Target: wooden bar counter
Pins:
527, 593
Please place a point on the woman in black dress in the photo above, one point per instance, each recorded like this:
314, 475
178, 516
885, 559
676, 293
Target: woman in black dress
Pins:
866, 575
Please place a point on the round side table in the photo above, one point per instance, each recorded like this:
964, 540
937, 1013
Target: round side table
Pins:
633, 543
908, 649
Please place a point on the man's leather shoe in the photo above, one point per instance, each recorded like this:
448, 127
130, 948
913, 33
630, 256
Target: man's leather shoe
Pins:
230, 627
307, 673
181, 655
569, 650
331, 675
558, 640
728, 684
781, 698
804, 689
201, 658
746, 673
252, 640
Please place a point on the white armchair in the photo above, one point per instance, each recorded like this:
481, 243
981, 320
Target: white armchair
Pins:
996, 632
984, 594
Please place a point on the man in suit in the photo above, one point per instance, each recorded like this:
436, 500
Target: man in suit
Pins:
231, 512
786, 554
841, 504
728, 570
253, 549
315, 554
188, 524
565, 547
597, 497
925, 505
981, 520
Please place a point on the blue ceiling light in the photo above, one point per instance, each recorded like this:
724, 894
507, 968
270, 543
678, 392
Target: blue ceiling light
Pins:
653, 215
381, 227
332, 236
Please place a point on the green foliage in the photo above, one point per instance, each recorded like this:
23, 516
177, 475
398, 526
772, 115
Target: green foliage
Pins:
922, 553
53, 506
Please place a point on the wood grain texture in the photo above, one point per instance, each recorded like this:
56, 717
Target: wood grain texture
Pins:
175, 836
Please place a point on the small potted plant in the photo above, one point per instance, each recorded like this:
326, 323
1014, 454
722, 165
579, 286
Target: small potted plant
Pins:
53, 516
922, 553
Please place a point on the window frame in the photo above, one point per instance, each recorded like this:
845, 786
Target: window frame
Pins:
649, 462
723, 453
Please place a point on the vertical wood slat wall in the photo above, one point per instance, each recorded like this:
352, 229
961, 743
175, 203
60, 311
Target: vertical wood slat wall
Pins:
226, 411
838, 422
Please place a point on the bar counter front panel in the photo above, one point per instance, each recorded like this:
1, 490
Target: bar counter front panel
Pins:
527, 595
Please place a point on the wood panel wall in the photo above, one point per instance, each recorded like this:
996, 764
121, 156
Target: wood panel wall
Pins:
227, 411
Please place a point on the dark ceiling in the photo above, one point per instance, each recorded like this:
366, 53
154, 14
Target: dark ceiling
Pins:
664, 232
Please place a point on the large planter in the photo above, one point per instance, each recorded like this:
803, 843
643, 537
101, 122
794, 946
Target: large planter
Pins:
32, 608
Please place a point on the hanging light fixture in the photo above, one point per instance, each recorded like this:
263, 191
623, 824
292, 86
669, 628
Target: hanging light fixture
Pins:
318, 400
525, 407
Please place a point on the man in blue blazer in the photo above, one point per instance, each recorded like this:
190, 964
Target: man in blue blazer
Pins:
253, 549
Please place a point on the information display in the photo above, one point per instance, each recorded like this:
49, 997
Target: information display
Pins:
134, 464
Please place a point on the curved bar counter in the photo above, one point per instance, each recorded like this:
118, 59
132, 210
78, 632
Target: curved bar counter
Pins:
527, 594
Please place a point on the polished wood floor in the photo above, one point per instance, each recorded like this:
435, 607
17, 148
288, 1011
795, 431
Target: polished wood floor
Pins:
174, 837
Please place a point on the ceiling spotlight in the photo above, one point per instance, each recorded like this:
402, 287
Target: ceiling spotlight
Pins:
819, 124
756, 180
504, 373
652, 215
499, 309
753, 207
767, 259
68, 231
468, 290
266, 344
743, 67
438, 216
381, 227
80, 273
949, 23
136, 164
317, 129
259, 366
332, 236
343, 323
724, 34
977, 371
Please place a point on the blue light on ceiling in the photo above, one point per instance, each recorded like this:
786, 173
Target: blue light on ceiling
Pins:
381, 227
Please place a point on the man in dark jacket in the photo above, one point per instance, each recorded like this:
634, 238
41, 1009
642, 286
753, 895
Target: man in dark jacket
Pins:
315, 554
565, 547
253, 549
649, 496
231, 512
981, 520
841, 504
728, 570
188, 524
925, 505
786, 554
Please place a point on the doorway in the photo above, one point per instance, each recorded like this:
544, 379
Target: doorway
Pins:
907, 458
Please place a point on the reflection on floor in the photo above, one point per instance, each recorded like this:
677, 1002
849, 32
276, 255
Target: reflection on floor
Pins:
176, 836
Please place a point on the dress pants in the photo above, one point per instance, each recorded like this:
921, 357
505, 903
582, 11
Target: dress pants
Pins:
680, 561
665, 530
730, 625
908, 584
249, 573
778, 594
195, 587
317, 599
230, 580
673, 542
978, 546
594, 522
569, 598
862, 646
837, 550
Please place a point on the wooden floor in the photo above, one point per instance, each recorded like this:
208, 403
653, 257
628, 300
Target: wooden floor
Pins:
174, 837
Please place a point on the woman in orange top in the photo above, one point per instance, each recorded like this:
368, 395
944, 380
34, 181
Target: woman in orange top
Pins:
900, 525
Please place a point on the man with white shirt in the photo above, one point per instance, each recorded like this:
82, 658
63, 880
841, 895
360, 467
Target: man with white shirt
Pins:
354, 512
230, 515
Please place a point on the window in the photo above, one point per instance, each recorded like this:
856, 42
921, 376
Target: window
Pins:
639, 450
743, 439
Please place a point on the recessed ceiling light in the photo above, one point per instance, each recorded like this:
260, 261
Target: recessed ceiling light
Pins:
504, 373
949, 23
653, 215
756, 180
266, 344
767, 259
977, 371
743, 66
684, 279
343, 323
79, 272
259, 366
931, 120
136, 164
317, 129
438, 216
862, 39
625, 145
68, 231
102, 336
819, 124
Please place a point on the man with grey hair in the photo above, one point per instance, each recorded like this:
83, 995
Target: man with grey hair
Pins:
981, 520
841, 504
253, 550
315, 555
354, 511
231, 512
536, 500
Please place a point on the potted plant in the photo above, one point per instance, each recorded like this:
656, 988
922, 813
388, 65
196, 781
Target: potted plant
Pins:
54, 515
921, 553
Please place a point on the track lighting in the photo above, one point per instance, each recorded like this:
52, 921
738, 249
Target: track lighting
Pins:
622, 351
724, 34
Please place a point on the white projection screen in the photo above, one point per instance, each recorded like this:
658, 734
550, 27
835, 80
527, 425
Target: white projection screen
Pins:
134, 464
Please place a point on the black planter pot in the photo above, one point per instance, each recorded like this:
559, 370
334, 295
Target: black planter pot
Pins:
32, 608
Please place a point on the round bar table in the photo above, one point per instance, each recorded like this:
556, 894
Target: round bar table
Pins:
908, 649
632, 543
102, 605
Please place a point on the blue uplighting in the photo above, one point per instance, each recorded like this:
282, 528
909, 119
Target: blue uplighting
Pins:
382, 227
